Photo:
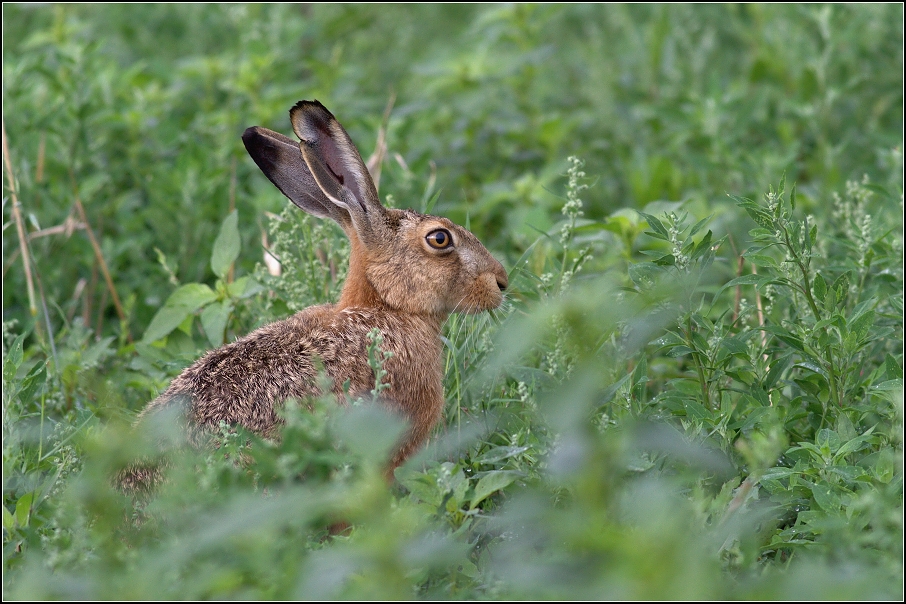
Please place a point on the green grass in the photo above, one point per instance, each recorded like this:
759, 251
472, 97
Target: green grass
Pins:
693, 390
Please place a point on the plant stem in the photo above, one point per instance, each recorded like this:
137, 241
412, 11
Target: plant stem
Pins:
807, 290
20, 230
696, 357
100, 258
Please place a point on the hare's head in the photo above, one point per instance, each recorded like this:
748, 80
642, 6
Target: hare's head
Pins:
400, 259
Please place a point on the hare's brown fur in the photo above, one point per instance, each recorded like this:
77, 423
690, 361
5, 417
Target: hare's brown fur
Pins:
397, 282
244, 382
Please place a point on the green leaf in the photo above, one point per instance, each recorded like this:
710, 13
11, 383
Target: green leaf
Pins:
186, 325
183, 302
611, 390
499, 454
776, 370
700, 224
422, 486
226, 246
785, 336
819, 287
827, 440
668, 339
777, 473
678, 351
214, 319
892, 368
885, 467
829, 301
35, 379
735, 346
491, 483
889, 385
244, 287
165, 321
760, 232
755, 212
369, 431
640, 379
428, 204
758, 281
645, 274
696, 410
860, 326
827, 497
854, 444
453, 485
742, 374
703, 246
845, 428
657, 225
740, 201
760, 396
850, 474
193, 295
655, 235
793, 197
761, 260
812, 450
666, 260
97, 352
841, 287
23, 508
13, 358
8, 521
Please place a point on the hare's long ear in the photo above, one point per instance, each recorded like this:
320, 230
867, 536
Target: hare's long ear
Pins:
338, 168
281, 161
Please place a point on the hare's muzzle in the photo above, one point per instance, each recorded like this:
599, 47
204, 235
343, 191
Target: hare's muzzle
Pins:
499, 272
502, 281
496, 281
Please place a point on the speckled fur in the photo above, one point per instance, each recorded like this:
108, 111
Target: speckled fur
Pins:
396, 282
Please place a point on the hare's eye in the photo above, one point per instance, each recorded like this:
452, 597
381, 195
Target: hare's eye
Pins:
439, 239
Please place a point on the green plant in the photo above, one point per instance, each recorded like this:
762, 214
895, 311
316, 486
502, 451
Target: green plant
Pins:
681, 397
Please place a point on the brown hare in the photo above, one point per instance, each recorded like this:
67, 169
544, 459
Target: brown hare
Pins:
407, 273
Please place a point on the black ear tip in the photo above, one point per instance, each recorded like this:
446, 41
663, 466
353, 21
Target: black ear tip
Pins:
259, 137
305, 104
251, 138
250, 134
255, 138
312, 108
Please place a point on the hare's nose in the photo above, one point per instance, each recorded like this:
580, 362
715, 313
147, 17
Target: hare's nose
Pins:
502, 280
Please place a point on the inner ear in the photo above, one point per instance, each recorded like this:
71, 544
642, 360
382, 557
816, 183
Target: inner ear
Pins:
323, 144
329, 142
342, 160
339, 177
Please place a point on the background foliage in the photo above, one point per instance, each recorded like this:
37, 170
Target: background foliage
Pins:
686, 395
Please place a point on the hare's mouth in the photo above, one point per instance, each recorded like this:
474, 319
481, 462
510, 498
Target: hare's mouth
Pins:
476, 302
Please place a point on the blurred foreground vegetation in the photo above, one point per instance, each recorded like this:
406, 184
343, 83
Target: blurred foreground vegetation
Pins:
694, 389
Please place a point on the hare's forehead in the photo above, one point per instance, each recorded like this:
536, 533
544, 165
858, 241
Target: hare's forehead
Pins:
414, 223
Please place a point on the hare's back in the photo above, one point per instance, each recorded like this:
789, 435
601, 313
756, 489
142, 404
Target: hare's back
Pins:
242, 382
